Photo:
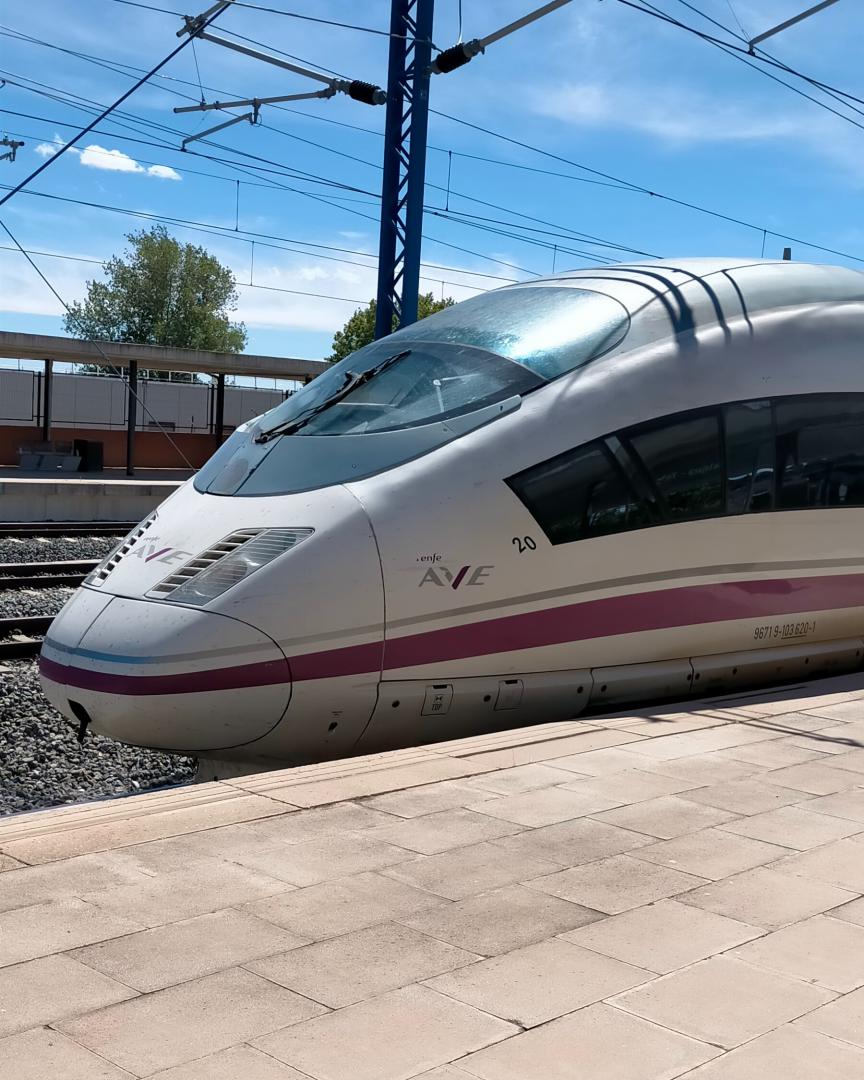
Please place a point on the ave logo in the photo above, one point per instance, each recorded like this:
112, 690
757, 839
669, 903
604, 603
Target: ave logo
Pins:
152, 550
442, 576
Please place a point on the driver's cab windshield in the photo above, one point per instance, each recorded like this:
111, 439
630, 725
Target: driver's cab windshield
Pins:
462, 358
418, 389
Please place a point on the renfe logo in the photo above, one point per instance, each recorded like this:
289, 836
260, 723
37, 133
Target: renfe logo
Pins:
152, 549
465, 575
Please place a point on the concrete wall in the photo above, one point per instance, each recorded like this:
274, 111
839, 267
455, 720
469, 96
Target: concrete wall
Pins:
77, 499
94, 407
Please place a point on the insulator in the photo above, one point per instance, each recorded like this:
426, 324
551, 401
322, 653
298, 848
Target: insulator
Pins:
456, 56
368, 93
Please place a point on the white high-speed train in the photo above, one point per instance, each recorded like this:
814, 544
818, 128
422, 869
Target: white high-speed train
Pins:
612, 485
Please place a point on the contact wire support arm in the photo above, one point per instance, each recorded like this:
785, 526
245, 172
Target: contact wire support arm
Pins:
464, 51
356, 89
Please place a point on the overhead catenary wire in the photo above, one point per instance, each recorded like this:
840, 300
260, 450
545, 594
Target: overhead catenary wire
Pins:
636, 188
745, 56
374, 195
301, 16
228, 232
595, 177
315, 197
208, 18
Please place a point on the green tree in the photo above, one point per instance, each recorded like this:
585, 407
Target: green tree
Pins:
360, 328
160, 292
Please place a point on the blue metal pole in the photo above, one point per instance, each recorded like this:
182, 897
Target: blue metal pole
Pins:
416, 161
404, 164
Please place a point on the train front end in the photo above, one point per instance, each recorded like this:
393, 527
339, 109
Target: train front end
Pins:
217, 614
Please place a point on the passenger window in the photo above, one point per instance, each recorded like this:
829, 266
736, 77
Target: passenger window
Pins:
579, 495
749, 457
683, 458
820, 452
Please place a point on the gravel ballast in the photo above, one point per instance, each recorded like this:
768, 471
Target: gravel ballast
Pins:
41, 762
19, 549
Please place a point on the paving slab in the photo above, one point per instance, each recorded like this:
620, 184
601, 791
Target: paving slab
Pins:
432, 833
41, 929
843, 1019
43, 1054
839, 863
774, 755
663, 936
70, 877
330, 857
344, 970
846, 804
349, 903
344, 817
704, 769
600, 762
357, 1043
50, 989
539, 982
789, 1053
185, 1022
190, 949
795, 827
616, 884
814, 777
428, 799
182, 894
546, 806
466, 871
630, 786
599, 1042
571, 843
852, 912
241, 1062
520, 779
824, 951
751, 796
763, 897
722, 1001
711, 853
667, 816
501, 920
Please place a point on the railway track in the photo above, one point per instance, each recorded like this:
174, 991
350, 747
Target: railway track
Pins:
21, 635
12, 529
45, 575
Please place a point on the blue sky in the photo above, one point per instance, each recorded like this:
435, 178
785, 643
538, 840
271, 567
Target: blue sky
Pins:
597, 83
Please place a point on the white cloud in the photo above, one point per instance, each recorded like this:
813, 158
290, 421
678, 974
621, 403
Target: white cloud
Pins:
164, 172
95, 156
48, 149
671, 113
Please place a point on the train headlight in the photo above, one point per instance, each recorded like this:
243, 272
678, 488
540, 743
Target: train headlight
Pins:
226, 564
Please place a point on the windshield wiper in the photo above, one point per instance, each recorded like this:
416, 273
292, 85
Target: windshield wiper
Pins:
351, 383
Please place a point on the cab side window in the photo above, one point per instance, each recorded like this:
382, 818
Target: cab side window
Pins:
749, 427
683, 457
820, 452
581, 494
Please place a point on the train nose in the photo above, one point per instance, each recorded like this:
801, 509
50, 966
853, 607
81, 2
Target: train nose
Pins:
156, 675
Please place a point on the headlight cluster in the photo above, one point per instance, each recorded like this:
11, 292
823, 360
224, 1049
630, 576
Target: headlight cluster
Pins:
226, 564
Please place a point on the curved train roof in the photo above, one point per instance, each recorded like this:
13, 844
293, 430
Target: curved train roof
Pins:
666, 296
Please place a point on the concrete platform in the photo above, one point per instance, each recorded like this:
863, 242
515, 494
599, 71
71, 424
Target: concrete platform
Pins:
76, 497
636, 897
